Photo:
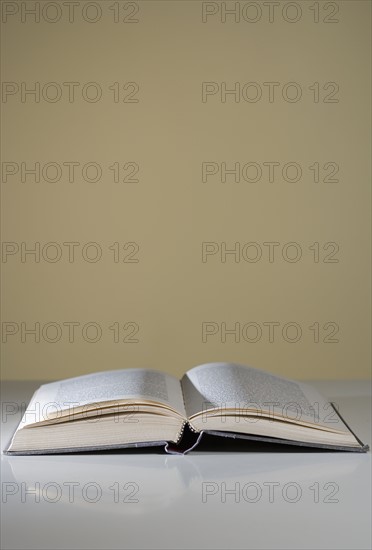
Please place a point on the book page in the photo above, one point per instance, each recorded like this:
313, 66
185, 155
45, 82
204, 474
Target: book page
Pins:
100, 387
232, 386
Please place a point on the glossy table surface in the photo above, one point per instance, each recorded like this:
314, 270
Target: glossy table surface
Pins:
250, 496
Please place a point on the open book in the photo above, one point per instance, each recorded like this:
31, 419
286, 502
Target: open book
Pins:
142, 407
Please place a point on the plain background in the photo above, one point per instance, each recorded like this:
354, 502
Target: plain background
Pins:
165, 299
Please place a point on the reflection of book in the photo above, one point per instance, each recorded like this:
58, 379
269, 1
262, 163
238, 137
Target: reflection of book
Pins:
82, 481
140, 407
158, 482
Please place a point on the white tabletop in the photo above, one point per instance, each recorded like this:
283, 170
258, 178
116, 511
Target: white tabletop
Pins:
125, 499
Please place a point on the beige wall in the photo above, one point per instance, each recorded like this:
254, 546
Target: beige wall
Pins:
172, 292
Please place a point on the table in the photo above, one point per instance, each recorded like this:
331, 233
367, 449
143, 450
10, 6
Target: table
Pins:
262, 499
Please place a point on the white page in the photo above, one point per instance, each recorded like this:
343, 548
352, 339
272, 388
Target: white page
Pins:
115, 385
228, 385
